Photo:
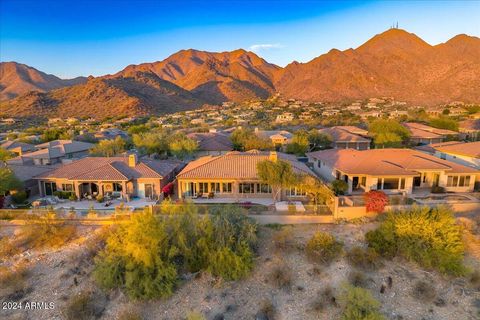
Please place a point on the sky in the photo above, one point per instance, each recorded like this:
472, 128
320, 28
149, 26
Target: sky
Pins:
81, 38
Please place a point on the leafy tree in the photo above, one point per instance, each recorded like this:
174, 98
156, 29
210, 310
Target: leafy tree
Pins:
428, 236
109, 148
181, 146
137, 129
339, 187
359, 304
444, 123
5, 155
300, 143
375, 201
245, 140
53, 134
315, 189
150, 143
473, 109
388, 133
8, 181
318, 141
278, 174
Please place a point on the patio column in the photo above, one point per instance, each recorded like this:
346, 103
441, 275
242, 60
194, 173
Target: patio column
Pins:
124, 189
76, 187
40, 189
350, 184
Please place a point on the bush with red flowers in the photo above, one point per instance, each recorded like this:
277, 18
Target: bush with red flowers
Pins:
375, 201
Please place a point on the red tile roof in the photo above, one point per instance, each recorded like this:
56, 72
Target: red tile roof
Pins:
115, 168
383, 162
236, 165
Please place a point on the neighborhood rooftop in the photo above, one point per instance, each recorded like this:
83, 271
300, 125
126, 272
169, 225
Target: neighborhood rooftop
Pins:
237, 165
387, 162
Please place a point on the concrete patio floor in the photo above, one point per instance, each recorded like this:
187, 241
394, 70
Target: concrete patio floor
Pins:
87, 204
262, 201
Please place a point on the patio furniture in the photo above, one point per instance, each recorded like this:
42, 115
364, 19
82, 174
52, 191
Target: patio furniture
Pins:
211, 195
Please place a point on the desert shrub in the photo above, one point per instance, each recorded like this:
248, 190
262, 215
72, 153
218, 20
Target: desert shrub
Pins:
323, 247
19, 197
357, 279
375, 201
146, 255
283, 239
474, 279
13, 284
192, 315
366, 259
81, 307
424, 291
267, 310
281, 277
359, 304
45, 231
427, 236
100, 198
339, 187
324, 299
63, 194
7, 248
130, 314
73, 197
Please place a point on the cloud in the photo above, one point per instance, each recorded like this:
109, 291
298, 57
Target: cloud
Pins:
265, 46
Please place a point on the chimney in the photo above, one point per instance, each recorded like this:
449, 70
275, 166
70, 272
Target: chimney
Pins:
132, 160
18, 150
256, 129
273, 156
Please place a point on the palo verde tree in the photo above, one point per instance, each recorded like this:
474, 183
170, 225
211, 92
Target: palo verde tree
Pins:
109, 148
8, 182
388, 133
316, 190
278, 174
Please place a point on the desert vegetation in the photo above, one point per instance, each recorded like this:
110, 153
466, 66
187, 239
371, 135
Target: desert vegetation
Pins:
427, 236
147, 256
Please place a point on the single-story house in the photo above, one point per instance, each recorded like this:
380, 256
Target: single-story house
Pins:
18, 147
465, 153
344, 137
234, 175
118, 176
423, 134
211, 143
392, 170
279, 138
54, 152
26, 174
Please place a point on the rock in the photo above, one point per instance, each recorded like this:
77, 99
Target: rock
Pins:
231, 308
440, 302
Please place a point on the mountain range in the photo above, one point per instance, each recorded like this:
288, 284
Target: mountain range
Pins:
394, 63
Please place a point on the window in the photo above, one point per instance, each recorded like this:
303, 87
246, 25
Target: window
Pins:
402, 183
203, 187
227, 187
117, 187
67, 187
246, 187
263, 188
215, 187
458, 181
390, 183
363, 181
295, 192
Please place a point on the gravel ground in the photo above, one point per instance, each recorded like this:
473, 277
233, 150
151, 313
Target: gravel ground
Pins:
56, 275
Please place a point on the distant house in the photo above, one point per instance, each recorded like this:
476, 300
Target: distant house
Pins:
284, 117
392, 170
279, 138
465, 153
18, 147
54, 152
470, 129
212, 143
117, 176
234, 175
346, 137
26, 174
110, 134
423, 134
